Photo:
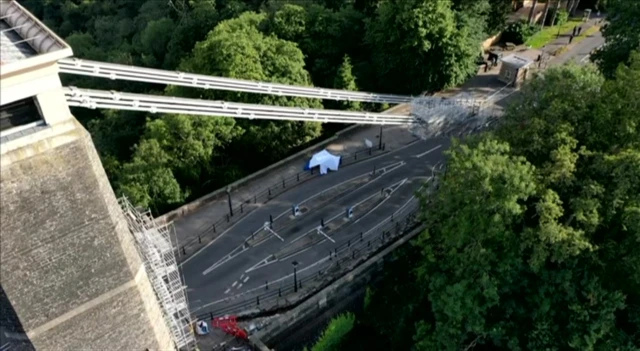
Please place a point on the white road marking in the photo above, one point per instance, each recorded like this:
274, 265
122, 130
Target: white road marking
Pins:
325, 235
213, 241
227, 291
428, 151
226, 259
234, 283
585, 58
239, 286
245, 279
262, 263
303, 201
385, 199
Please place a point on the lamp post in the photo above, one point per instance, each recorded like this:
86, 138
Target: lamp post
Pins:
295, 276
229, 198
380, 141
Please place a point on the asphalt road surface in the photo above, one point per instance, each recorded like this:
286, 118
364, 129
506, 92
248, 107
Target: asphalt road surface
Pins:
228, 267
582, 51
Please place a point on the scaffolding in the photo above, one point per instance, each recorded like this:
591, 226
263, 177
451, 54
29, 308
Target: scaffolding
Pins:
154, 244
436, 116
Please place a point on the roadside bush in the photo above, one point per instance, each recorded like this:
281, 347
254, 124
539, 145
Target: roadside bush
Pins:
518, 32
561, 18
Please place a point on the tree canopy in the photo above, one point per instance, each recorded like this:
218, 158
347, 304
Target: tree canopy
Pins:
341, 44
622, 35
534, 233
418, 45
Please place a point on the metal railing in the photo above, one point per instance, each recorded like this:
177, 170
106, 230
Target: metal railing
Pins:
271, 297
211, 231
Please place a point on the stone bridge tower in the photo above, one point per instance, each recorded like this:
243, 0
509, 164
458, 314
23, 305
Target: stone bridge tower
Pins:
70, 275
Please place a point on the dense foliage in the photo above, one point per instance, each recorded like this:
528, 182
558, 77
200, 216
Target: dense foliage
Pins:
406, 46
622, 35
518, 32
534, 234
333, 336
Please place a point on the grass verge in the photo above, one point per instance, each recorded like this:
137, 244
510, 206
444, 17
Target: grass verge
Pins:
549, 34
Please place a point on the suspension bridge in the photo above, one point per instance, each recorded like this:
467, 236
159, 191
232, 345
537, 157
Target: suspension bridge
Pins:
423, 108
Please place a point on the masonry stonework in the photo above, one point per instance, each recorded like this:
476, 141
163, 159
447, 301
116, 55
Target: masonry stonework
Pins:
69, 265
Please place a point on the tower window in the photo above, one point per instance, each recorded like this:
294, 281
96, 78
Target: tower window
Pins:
21, 113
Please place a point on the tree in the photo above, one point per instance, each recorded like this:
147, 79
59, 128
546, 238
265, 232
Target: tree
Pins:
289, 22
531, 12
528, 232
185, 149
622, 35
532, 240
324, 36
238, 48
148, 180
499, 11
346, 81
417, 46
335, 332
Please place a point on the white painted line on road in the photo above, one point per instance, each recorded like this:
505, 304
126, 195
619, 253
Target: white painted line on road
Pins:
262, 287
385, 199
239, 286
319, 262
226, 259
245, 279
274, 233
234, 283
213, 241
242, 219
282, 259
585, 58
325, 235
314, 196
227, 291
260, 264
428, 151
341, 213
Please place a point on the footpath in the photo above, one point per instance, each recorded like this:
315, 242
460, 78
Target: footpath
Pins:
189, 218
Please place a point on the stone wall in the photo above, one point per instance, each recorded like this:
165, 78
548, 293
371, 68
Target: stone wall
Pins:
289, 328
68, 263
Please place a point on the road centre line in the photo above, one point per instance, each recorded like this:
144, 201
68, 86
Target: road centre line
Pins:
383, 201
263, 263
428, 151
242, 219
321, 261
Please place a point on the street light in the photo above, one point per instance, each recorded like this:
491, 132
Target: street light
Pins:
380, 141
295, 276
229, 198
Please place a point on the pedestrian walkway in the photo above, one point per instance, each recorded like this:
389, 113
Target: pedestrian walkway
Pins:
561, 44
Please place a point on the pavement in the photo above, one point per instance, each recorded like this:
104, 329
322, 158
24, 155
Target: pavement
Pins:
235, 264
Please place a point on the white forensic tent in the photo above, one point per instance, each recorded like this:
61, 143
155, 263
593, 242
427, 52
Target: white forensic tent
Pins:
325, 160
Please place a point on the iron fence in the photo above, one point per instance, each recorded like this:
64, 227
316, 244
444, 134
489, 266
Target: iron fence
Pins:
362, 245
211, 231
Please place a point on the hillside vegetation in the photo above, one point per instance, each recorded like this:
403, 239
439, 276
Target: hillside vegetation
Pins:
162, 161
